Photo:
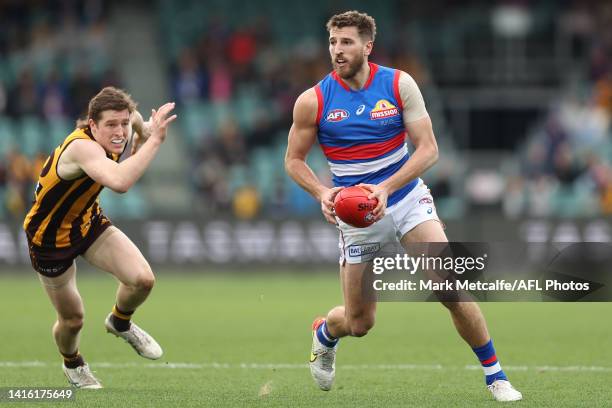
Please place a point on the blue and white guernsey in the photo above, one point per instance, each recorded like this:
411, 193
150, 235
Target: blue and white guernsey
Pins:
362, 132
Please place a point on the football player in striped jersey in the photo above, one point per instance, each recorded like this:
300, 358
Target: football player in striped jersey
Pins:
66, 221
360, 114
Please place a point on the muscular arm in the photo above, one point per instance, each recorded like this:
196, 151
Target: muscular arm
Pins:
91, 158
419, 128
302, 136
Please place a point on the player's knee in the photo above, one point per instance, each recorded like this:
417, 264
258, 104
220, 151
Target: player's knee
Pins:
145, 281
452, 306
74, 323
360, 326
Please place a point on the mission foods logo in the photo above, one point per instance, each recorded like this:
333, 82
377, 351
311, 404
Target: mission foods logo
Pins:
383, 109
337, 115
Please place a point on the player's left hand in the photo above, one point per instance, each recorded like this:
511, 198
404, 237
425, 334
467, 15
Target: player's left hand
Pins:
381, 194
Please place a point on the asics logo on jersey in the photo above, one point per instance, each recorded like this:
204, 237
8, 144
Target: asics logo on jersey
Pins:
360, 109
383, 109
336, 115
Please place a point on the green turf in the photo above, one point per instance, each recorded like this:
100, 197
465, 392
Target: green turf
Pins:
264, 319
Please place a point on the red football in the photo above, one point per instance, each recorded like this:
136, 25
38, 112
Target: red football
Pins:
353, 206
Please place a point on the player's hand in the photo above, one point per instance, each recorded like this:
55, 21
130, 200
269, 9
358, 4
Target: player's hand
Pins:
139, 138
381, 194
327, 204
136, 143
160, 120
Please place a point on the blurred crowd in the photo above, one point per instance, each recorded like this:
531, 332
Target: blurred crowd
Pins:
244, 80
235, 80
565, 167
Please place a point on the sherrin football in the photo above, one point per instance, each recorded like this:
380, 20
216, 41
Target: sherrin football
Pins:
354, 208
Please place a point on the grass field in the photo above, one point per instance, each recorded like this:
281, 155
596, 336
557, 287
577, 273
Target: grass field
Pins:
243, 340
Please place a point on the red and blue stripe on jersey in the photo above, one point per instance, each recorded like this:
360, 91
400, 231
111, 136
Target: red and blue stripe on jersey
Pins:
362, 132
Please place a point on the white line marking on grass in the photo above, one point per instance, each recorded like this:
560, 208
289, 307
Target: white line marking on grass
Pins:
290, 366
22, 364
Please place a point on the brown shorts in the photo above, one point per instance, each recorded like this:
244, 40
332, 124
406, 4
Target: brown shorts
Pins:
52, 262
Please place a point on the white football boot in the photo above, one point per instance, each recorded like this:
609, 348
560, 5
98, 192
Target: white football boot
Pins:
140, 340
322, 360
81, 377
503, 391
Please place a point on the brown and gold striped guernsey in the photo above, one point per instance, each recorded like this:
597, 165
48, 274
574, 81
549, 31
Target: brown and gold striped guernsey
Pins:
63, 209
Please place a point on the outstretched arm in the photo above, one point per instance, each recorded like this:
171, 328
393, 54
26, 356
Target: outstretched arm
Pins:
302, 136
91, 158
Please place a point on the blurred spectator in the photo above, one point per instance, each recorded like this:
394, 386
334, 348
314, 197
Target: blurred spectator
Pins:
37, 165
82, 89
221, 81
209, 177
3, 98
19, 182
540, 196
241, 51
514, 198
603, 93
111, 77
230, 146
54, 97
566, 169
190, 83
246, 203
23, 98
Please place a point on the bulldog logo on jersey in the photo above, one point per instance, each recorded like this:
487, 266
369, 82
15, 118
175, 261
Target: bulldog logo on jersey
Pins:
336, 115
383, 109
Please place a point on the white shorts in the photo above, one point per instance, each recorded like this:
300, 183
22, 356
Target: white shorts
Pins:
359, 245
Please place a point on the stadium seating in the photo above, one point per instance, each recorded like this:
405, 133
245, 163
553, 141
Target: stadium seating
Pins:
295, 37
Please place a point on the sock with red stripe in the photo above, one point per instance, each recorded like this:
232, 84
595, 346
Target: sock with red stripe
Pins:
490, 365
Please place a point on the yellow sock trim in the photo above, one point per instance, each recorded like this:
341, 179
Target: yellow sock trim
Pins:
77, 355
120, 315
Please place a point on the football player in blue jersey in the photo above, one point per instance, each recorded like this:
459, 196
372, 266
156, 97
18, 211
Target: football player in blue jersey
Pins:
360, 114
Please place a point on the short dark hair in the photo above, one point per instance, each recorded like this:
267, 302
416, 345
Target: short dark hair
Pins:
366, 26
109, 98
